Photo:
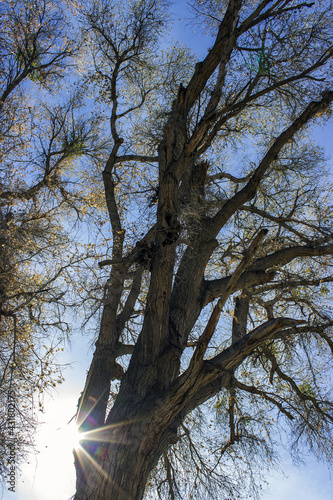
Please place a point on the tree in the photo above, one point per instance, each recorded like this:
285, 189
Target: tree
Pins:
38, 145
221, 306
213, 305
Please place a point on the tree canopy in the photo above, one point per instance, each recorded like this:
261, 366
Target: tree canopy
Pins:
39, 142
180, 209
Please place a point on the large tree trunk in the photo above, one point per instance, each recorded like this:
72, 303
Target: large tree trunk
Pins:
119, 469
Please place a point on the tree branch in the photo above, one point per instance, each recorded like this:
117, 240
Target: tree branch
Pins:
255, 18
140, 158
228, 111
231, 357
294, 386
249, 190
251, 389
281, 221
127, 311
286, 255
207, 334
225, 175
218, 55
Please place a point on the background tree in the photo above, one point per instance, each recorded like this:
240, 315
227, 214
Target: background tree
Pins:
39, 150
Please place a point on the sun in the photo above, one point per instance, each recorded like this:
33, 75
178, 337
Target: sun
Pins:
71, 436
56, 438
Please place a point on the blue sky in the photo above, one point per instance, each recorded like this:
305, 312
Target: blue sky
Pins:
50, 474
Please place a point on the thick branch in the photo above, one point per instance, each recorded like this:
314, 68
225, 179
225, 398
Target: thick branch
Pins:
218, 55
261, 271
255, 18
215, 288
249, 190
231, 357
293, 283
282, 257
213, 320
140, 158
127, 311
225, 175
240, 316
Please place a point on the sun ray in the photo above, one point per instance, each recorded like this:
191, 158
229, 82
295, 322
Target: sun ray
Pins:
85, 459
